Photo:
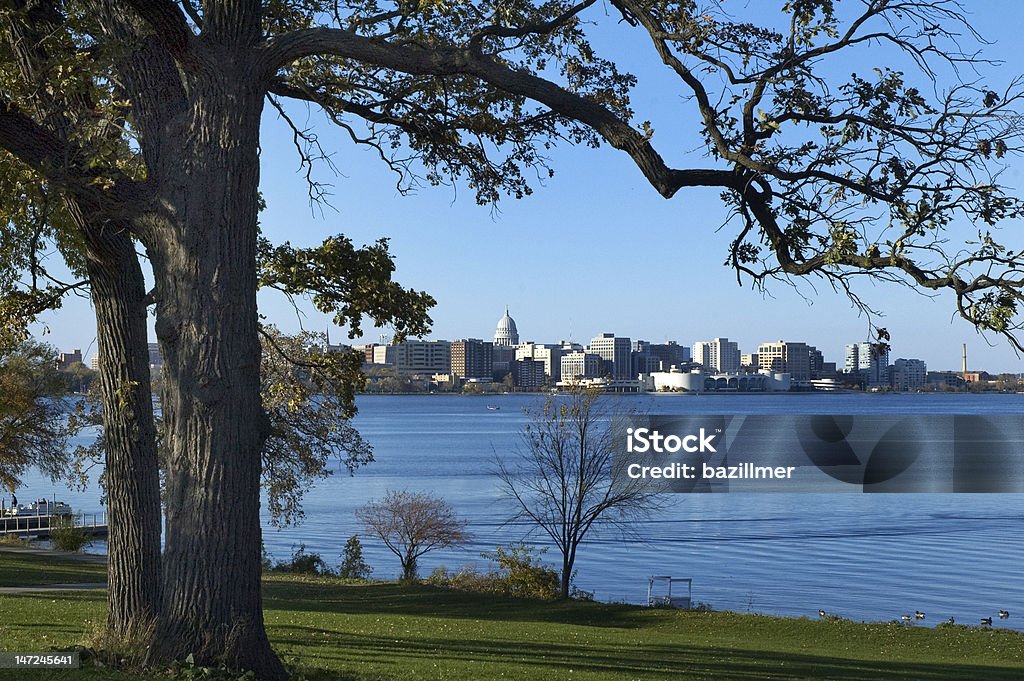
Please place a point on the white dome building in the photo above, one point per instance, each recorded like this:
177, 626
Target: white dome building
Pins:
506, 334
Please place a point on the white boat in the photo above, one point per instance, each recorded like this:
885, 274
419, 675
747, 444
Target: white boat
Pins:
42, 507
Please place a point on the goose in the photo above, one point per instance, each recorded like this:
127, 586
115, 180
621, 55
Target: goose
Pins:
906, 618
918, 615
1003, 614
986, 620
951, 621
821, 613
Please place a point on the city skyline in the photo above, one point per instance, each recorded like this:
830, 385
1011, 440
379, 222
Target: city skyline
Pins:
839, 358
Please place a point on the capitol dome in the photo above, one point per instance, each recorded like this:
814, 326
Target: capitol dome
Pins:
506, 333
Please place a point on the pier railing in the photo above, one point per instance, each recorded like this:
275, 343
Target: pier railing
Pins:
33, 525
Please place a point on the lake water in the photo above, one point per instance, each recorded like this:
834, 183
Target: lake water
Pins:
861, 556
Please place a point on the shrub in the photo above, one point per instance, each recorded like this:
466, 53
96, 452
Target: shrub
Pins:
303, 563
65, 535
521, 572
467, 578
352, 564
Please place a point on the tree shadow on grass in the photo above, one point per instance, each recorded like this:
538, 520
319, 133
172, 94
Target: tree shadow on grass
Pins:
483, 659
427, 601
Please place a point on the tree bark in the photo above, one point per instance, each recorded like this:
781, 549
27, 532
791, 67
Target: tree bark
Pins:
203, 249
132, 473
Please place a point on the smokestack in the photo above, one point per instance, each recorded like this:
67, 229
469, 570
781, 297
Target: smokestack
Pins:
965, 362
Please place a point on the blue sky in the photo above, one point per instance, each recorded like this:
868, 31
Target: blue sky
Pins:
595, 248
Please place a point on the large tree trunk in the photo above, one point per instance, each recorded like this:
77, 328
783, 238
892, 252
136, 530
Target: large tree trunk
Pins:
132, 473
204, 257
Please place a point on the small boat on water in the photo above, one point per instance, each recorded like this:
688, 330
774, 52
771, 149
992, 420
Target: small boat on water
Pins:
42, 507
493, 407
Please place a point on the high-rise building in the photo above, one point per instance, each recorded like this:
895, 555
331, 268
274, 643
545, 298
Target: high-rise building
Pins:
670, 354
528, 374
869, 362
367, 351
156, 360
580, 365
472, 358
423, 357
506, 334
721, 355
909, 374
644, 361
819, 367
413, 356
502, 357
785, 357
749, 361
550, 355
66, 359
616, 353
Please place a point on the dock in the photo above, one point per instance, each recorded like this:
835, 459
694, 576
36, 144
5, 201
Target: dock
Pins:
38, 526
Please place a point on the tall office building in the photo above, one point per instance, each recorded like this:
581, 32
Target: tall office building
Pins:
156, 360
721, 355
423, 357
550, 355
786, 357
616, 353
865, 360
670, 354
909, 374
66, 359
644, 361
472, 358
413, 356
580, 365
528, 374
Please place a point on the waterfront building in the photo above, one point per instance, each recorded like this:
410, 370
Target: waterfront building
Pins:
644, 361
503, 356
550, 355
616, 353
697, 382
367, 351
580, 365
786, 357
156, 360
946, 380
721, 355
528, 374
869, 363
670, 354
412, 356
66, 359
472, 358
909, 374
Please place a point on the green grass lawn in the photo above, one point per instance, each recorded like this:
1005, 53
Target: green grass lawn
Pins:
25, 569
384, 631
